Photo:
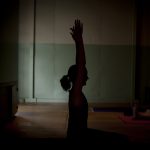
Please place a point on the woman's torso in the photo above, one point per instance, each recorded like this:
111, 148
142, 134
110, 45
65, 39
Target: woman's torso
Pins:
78, 115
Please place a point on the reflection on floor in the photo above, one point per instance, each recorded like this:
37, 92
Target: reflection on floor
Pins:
47, 123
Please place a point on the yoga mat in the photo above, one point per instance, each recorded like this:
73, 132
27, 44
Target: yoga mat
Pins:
131, 120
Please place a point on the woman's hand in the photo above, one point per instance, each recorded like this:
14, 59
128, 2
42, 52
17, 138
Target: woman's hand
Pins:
77, 31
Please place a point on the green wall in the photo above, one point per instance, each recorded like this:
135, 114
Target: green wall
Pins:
110, 69
109, 37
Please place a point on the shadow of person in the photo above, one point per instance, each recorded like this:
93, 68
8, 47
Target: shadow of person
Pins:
106, 136
93, 138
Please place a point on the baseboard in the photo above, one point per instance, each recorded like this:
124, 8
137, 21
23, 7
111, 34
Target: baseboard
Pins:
109, 105
62, 102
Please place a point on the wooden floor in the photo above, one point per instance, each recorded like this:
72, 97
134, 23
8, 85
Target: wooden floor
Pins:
45, 121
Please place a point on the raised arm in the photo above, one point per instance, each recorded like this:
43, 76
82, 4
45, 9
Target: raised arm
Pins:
76, 32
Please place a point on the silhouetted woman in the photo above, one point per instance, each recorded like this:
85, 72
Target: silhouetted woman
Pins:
73, 82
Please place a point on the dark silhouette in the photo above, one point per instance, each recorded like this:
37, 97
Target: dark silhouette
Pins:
73, 82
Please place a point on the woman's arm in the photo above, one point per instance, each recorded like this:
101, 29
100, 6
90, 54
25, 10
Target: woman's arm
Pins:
77, 31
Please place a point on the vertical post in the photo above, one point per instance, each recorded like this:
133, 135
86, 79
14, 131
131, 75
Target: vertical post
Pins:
34, 45
139, 11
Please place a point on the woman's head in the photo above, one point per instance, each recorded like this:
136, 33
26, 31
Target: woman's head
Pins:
69, 79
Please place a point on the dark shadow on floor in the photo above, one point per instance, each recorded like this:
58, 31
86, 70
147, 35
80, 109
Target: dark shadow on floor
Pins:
92, 138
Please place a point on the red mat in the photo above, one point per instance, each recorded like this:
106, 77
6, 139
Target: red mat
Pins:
130, 119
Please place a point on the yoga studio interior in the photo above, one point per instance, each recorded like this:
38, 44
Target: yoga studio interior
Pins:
36, 50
